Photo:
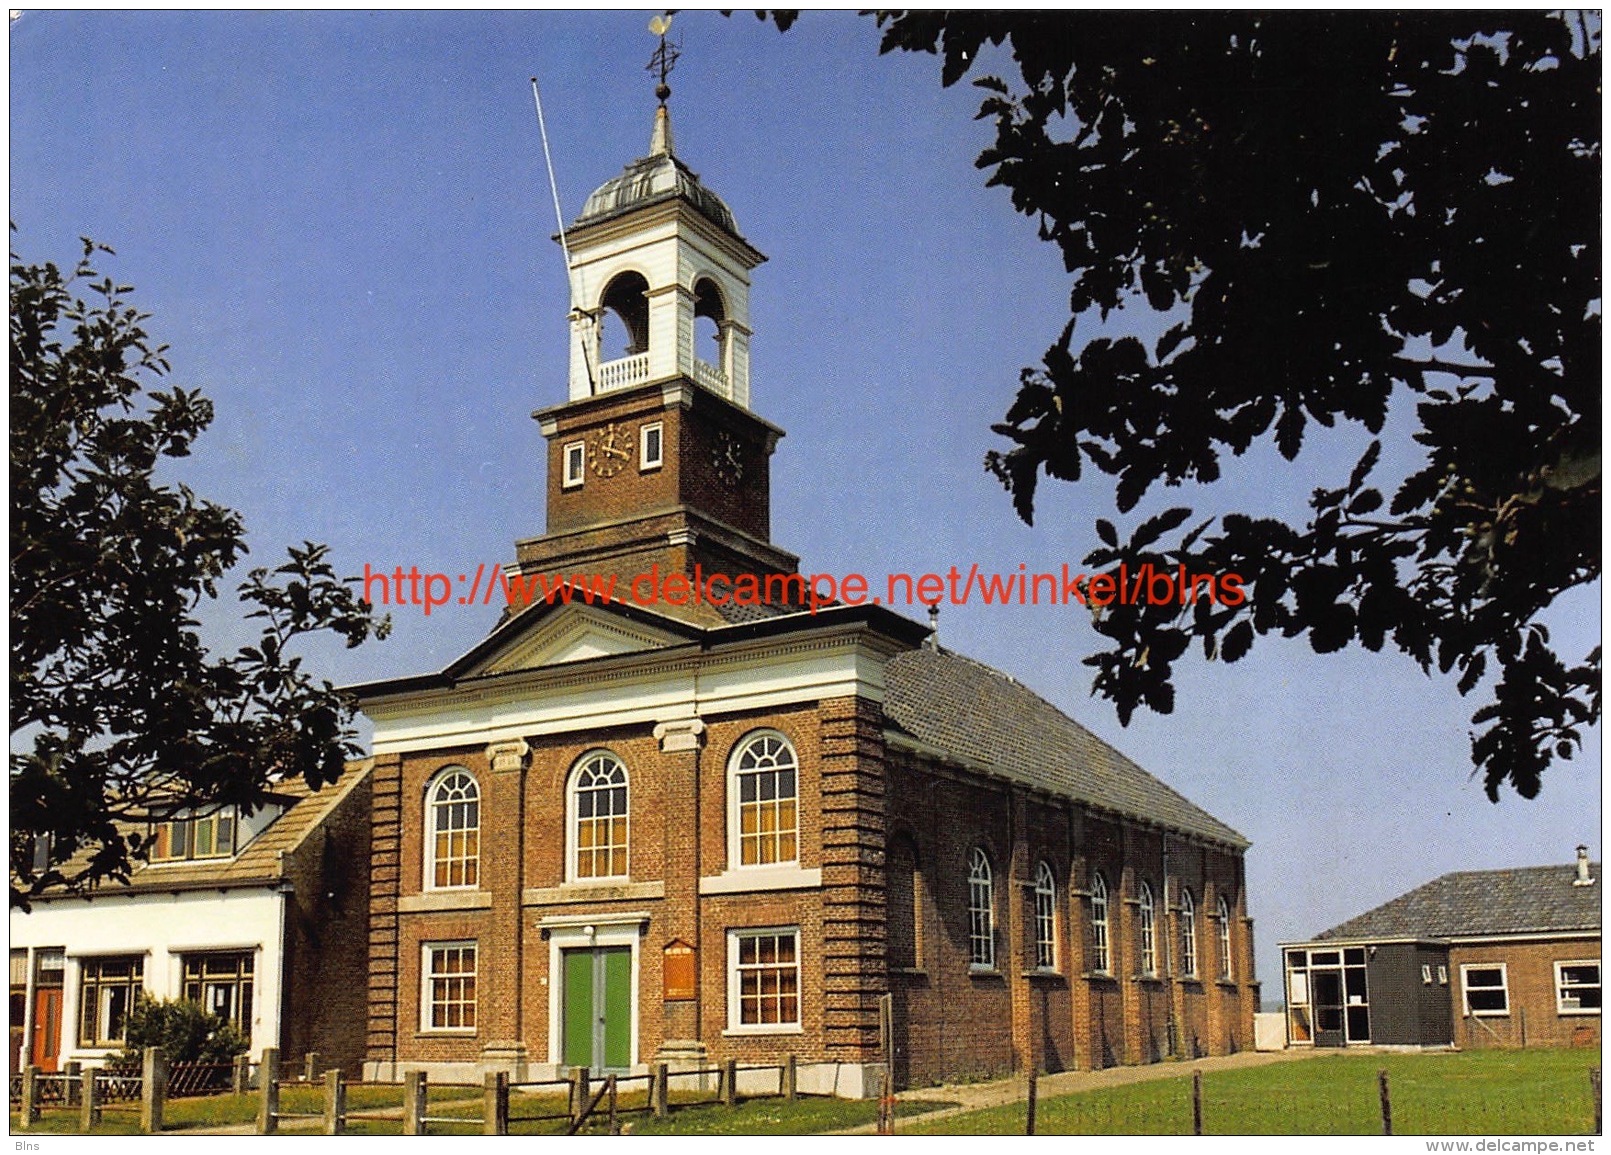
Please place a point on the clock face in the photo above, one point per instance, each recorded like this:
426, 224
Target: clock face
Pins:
611, 449
727, 456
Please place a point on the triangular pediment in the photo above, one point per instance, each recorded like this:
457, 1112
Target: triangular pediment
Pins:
571, 634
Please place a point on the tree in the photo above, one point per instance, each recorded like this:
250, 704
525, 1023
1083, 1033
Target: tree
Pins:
1379, 221
119, 715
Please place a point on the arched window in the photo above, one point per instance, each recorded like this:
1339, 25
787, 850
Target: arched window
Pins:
1188, 934
1099, 924
981, 910
765, 802
598, 808
1226, 971
453, 830
624, 323
1149, 935
710, 316
1045, 918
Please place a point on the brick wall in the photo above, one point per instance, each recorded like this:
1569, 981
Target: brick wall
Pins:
1533, 1018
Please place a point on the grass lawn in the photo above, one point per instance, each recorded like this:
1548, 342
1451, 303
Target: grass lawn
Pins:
1538, 1092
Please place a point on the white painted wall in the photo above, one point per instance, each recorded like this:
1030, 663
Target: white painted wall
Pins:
162, 927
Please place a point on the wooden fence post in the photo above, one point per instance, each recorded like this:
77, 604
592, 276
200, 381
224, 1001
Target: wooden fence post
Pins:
791, 1077
1029, 1117
89, 1103
1594, 1087
615, 1124
1387, 1102
730, 1083
335, 1102
580, 1086
661, 1083
268, 1091
240, 1075
309, 1066
153, 1089
73, 1072
496, 1113
415, 1091
1197, 1102
28, 1112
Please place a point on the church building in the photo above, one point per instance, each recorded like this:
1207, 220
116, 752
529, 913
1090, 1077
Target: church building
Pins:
693, 828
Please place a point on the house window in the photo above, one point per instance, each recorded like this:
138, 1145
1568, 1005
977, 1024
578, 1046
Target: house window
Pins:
1188, 934
447, 1001
1443, 976
575, 464
222, 985
1045, 918
1577, 988
765, 794
1426, 974
981, 911
1227, 972
763, 979
1485, 989
453, 841
107, 990
599, 817
1099, 924
208, 836
1149, 935
651, 446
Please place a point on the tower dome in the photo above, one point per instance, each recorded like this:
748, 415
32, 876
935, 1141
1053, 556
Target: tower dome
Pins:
650, 179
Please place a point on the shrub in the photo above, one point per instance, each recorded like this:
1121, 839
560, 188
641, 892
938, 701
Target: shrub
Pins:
185, 1031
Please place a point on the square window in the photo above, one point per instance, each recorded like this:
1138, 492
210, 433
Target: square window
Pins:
575, 464
1485, 989
651, 446
1577, 987
763, 987
447, 995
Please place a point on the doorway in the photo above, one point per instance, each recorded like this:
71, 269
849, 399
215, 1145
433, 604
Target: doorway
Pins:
597, 1008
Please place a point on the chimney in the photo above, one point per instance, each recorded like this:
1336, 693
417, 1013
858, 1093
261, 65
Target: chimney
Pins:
1583, 878
932, 642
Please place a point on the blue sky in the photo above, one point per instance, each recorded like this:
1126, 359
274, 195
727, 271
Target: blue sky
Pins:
340, 222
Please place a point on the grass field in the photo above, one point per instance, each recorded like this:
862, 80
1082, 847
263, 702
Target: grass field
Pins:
1539, 1092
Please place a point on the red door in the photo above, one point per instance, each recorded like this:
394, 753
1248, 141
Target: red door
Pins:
47, 1028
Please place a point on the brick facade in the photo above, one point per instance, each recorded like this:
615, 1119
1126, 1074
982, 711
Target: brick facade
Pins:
1533, 1017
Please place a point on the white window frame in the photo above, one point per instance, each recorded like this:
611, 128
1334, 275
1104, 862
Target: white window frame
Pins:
735, 1002
1188, 934
432, 807
428, 977
646, 461
1148, 918
1227, 958
573, 464
1560, 985
1101, 939
1045, 918
573, 818
736, 772
1503, 988
1426, 974
981, 912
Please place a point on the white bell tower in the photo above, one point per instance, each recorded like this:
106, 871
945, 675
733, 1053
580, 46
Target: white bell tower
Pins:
657, 256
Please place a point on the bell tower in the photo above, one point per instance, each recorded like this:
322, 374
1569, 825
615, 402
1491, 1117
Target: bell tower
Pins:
655, 459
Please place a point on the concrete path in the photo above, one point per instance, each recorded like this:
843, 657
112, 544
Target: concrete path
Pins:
976, 1096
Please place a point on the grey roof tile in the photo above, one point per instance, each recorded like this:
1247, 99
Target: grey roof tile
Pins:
976, 713
1475, 903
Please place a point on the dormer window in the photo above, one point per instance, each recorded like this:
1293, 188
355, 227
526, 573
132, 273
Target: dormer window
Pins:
206, 836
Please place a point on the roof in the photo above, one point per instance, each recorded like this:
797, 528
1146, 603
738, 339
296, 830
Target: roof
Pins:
986, 718
260, 861
1482, 903
660, 176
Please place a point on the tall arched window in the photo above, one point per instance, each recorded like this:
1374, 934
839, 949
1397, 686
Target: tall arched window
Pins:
1226, 970
765, 801
1188, 934
598, 808
1100, 959
1149, 932
453, 831
981, 910
1045, 918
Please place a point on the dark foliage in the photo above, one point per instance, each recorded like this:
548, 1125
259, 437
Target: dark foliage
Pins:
118, 712
1335, 217
184, 1030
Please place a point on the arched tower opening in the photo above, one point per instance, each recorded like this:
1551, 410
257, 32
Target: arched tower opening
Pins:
712, 364
624, 324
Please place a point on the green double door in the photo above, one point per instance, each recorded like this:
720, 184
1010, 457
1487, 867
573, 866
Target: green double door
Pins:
598, 1008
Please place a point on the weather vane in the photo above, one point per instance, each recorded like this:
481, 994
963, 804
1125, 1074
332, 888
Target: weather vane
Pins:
664, 58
